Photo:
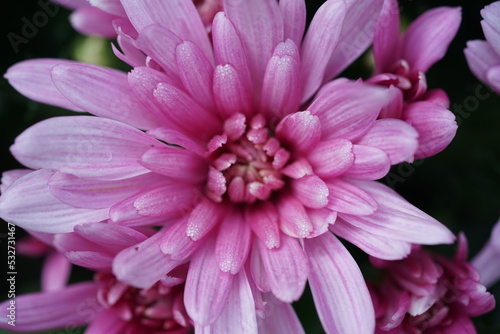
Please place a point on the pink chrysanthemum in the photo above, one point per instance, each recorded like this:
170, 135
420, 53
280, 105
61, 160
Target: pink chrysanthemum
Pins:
427, 293
401, 63
483, 57
247, 184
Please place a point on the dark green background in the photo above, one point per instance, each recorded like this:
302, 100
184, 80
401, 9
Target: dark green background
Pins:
460, 186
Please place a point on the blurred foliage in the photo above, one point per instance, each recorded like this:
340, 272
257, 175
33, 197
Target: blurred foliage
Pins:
460, 186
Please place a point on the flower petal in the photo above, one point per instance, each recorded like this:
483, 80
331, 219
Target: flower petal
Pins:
10, 176
107, 321
480, 57
319, 44
332, 157
348, 198
396, 138
386, 41
370, 163
294, 220
311, 191
142, 265
177, 244
294, 19
93, 21
207, 287
181, 17
435, 125
233, 242
60, 308
29, 204
300, 130
84, 146
428, 37
263, 220
32, 79
55, 272
338, 288
281, 86
398, 219
230, 92
204, 217
282, 320
286, 267
347, 109
103, 92
374, 245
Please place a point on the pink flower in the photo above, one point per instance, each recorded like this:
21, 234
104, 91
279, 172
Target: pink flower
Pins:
109, 305
483, 57
427, 293
401, 63
485, 260
247, 184
99, 18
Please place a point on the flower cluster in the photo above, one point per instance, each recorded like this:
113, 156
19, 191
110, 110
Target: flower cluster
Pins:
214, 179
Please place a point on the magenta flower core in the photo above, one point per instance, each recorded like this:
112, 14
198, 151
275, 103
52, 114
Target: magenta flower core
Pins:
158, 309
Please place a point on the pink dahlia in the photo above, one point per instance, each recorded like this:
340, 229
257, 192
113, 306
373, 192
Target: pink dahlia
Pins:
400, 65
108, 305
101, 18
483, 57
428, 293
486, 259
240, 180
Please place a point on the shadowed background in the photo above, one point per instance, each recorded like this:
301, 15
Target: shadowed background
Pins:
460, 186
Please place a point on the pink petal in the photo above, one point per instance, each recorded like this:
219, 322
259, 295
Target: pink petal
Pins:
435, 125
103, 92
196, 73
282, 320
428, 37
332, 157
348, 198
60, 308
176, 163
113, 7
160, 44
487, 255
29, 204
97, 194
181, 17
167, 198
294, 220
320, 220
239, 314
260, 26
178, 138
207, 288
55, 272
90, 259
204, 217
107, 321
233, 243
386, 42
8, 177
398, 219
257, 270
183, 111
311, 191
300, 130
230, 92
370, 163
396, 138
84, 146
281, 87
263, 220
356, 35
381, 247
229, 50
294, 19
143, 264
348, 110
93, 21
32, 79
480, 57
286, 267
177, 244
113, 238
319, 44
338, 288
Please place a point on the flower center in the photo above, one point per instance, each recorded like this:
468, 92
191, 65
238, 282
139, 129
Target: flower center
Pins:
154, 310
246, 161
